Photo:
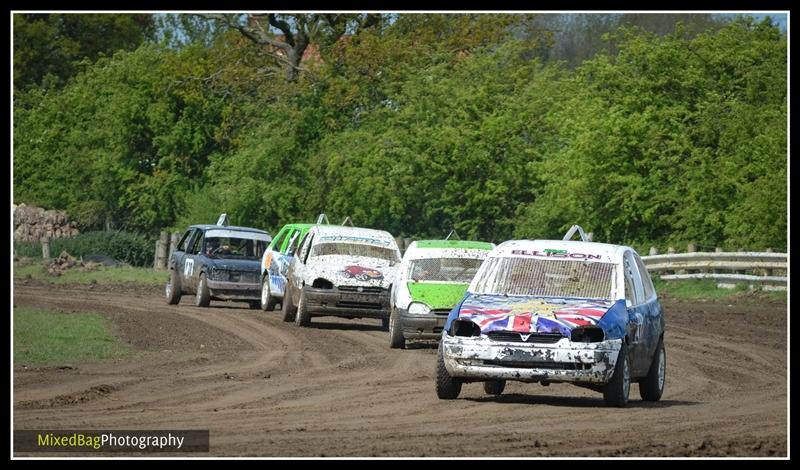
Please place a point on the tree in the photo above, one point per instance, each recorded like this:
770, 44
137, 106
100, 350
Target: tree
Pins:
48, 48
287, 37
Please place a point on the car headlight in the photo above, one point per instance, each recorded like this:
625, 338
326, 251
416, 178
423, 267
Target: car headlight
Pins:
418, 308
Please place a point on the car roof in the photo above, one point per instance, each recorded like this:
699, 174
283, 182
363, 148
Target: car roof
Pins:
425, 249
466, 244
229, 227
561, 249
300, 226
382, 236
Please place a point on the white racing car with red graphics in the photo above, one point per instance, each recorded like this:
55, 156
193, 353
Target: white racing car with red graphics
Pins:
557, 311
341, 271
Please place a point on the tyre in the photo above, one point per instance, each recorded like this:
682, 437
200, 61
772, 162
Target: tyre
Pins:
652, 386
289, 310
203, 297
494, 387
396, 338
447, 387
173, 289
617, 390
303, 317
267, 303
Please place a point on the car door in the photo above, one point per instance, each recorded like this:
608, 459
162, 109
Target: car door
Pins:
179, 255
638, 315
191, 266
272, 262
654, 315
297, 266
284, 257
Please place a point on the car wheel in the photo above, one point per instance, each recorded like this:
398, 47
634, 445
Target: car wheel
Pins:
288, 309
203, 297
652, 387
494, 387
267, 302
447, 387
173, 289
617, 390
303, 317
396, 339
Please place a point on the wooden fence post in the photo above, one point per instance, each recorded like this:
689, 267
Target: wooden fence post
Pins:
45, 249
769, 271
155, 254
173, 244
690, 248
741, 271
161, 254
671, 251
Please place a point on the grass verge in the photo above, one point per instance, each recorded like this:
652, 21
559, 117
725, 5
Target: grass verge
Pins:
696, 289
52, 337
103, 275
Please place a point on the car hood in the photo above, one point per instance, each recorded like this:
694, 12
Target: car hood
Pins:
437, 295
241, 265
332, 267
523, 314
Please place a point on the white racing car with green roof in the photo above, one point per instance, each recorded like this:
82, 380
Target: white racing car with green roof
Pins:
341, 271
432, 279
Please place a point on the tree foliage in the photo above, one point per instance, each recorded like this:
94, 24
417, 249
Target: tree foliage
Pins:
49, 48
419, 124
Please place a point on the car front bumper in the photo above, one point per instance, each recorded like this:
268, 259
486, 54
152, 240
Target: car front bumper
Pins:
226, 290
565, 361
322, 302
428, 326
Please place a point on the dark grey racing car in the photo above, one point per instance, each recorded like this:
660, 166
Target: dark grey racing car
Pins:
217, 262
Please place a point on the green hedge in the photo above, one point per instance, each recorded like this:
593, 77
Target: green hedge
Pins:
130, 248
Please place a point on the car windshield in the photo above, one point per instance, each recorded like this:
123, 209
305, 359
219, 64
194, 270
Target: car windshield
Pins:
234, 248
546, 278
354, 249
460, 270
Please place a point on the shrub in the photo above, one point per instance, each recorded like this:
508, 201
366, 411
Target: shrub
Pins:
127, 247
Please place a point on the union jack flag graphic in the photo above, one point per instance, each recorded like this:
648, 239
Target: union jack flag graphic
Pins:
527, 315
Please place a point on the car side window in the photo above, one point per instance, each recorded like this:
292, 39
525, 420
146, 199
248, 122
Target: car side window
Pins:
647, 282
633, 280
294, 245
185, 240
278, 241
304, 247
629, 296
292, 237
197, 244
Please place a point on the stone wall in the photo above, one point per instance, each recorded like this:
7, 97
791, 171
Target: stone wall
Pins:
34, 223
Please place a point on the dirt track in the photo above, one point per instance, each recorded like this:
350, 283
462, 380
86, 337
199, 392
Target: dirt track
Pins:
268, 388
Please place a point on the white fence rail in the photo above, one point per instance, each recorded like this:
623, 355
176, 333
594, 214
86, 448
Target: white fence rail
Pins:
766, 269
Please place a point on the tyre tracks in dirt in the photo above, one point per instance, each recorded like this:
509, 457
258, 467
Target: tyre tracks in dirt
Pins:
264, 387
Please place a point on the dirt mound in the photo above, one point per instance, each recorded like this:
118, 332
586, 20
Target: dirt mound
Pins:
65, 262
